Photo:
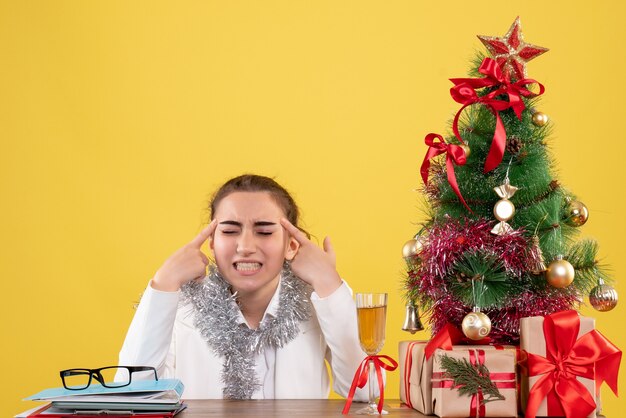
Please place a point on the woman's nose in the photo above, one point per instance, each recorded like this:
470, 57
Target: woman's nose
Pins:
246, 243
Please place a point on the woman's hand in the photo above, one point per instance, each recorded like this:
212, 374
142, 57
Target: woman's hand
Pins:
312, 264
186, 264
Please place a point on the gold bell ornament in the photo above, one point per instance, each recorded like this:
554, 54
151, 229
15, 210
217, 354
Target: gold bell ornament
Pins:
412, 321
504, 208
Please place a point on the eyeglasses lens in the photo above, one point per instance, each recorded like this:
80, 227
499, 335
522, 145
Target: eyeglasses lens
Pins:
109, 373
76, 379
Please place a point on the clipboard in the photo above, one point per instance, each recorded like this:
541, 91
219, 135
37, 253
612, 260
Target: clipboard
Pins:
51, 411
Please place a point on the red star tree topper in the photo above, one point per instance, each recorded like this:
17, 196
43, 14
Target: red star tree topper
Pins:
511, 52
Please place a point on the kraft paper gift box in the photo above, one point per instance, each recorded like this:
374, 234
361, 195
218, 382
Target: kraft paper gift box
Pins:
416, 373
532, 340
502, 364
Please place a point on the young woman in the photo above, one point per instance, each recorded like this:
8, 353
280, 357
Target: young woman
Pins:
264, 319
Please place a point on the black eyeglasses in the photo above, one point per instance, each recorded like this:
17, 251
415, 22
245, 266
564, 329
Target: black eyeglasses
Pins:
78, 379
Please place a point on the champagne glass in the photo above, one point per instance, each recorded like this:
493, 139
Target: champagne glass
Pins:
371, 313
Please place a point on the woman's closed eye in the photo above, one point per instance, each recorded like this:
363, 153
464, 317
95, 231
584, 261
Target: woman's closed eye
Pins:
237, 231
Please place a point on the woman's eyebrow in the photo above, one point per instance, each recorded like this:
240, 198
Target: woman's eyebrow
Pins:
264, 223
235, 223
257, 223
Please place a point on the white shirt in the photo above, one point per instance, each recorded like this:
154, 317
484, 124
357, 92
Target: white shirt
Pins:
162, 334
265, 361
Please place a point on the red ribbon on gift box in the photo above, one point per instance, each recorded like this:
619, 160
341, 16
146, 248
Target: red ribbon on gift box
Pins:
567, 357
448, 336
361, 375
408, 365
477, 406
464, 92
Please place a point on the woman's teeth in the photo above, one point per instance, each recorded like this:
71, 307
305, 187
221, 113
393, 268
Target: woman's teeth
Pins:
247, 266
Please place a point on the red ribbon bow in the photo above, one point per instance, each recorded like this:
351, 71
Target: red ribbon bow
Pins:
361, 375
454, 155
591, 356
464, 92
448, 336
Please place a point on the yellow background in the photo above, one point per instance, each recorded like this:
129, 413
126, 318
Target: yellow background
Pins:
118, 119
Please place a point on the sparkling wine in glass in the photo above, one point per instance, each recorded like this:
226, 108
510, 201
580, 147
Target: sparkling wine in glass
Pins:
371, 313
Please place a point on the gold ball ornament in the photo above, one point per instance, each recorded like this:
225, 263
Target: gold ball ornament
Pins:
603, 297
411, 248
560, 273
503, 210
476, 325
467, 150
577, 213
540, 119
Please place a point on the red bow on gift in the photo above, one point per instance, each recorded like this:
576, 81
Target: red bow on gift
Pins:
591, 356
454, 155
360, 378
464, 92
448, 336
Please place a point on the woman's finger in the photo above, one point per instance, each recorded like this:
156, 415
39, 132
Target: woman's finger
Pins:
328, 248
295, 232
204, 235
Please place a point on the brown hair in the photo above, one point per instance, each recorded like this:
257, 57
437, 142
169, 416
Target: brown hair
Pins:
255, 183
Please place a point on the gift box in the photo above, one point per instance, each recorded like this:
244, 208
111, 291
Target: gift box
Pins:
564, 350
499, 396
415, 375
416, 372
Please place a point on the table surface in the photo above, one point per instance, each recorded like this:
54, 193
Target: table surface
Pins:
284, 408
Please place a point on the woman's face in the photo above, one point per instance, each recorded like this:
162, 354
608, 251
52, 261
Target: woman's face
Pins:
249, 244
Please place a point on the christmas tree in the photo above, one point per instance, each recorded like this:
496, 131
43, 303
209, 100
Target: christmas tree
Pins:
501, 240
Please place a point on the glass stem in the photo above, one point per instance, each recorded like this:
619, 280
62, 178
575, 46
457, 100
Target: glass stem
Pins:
372, 385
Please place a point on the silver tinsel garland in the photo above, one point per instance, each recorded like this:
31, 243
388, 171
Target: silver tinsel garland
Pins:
216, 318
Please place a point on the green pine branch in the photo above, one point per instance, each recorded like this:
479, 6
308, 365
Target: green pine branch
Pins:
469, 379
583, 257
479, 279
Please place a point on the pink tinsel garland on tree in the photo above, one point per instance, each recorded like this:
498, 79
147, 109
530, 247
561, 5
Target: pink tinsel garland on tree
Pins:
447, 241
